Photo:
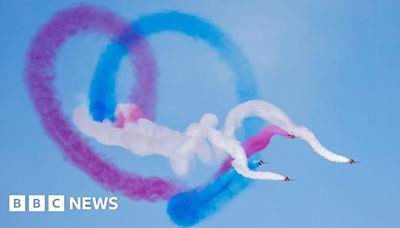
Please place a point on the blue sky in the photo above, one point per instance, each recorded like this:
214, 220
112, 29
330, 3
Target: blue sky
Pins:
332, 66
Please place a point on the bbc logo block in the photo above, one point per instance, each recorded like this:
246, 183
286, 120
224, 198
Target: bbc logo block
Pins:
16, 203
56, 203
36, 203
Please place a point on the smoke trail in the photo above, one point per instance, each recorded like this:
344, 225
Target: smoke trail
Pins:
190, 207
274, 115
127, 113
40, 74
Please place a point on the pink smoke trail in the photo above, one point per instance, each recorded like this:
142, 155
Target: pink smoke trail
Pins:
40, 74
255, 144
127, 113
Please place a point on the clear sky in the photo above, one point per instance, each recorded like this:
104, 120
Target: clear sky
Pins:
333, 66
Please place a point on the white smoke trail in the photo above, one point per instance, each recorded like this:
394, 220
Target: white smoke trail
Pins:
145, 137
274, 115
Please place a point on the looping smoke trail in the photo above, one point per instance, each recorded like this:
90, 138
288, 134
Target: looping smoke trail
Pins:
102, 89
40, 74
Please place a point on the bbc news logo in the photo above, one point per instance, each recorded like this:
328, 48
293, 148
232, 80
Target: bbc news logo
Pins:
58, 203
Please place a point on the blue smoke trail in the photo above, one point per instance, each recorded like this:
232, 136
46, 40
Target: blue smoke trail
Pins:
102, 88
198, 28
189, 208
186, 208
